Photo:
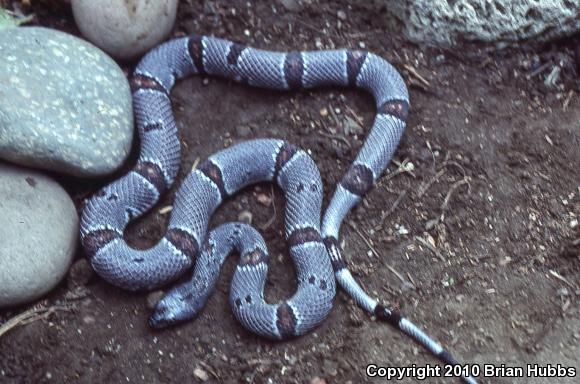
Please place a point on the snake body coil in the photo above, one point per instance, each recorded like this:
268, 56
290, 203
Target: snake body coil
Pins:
313, 247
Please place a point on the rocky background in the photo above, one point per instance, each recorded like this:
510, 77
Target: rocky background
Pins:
495, 22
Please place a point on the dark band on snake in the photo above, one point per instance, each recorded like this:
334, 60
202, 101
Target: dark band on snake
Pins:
254, 257
214, 173
140, 81
304, 235
358, 180
195, 48
94, 241
184, 242
293, 70
286, 152
354, 62
234, 53
153, 174
286, 321
397, 108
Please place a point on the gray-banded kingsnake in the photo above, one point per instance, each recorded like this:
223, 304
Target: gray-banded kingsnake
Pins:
313, 247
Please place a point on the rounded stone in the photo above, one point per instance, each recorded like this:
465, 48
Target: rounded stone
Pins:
64, 104
153, 298
125, 28
39, 231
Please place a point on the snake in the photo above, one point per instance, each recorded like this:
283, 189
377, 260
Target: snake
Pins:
187, 245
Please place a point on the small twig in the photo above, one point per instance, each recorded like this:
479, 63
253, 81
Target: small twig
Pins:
334, 117
29, 316
353, 114
430, 247
414, 72
411, 279
544, 176
195, 164
395, 205
540, 69
392, 209
455, 185
567, 100
401, 169
17, 18
374, 251
317, 30
389, 176
419, 85
336, 137
267, 224
454, 163
403, 165
210, 369
424, 187
561, 278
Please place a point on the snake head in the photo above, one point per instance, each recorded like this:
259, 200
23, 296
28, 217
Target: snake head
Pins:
174, 308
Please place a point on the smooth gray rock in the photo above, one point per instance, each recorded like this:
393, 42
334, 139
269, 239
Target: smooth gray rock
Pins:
38, 232
125, 28
64, 104
446, 22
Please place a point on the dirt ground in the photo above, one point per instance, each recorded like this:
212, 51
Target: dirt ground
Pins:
477, 214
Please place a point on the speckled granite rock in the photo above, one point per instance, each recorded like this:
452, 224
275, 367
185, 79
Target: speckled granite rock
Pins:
38, 232
444, 22
125, 28
64, 105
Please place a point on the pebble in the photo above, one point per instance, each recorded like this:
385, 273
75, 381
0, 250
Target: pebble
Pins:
245, 217
80, 273
341, 15
39, 231
125, 28
201, 374
351, 127
291, 5
401, 230
153, 298
81, 122
243, 131
330, 367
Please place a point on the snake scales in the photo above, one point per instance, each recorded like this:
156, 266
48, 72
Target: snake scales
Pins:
313, 246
